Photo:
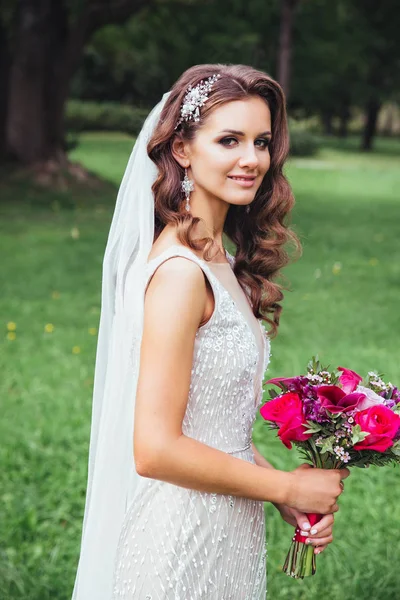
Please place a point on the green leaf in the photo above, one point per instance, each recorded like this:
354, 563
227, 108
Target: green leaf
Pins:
395, 449
396, 409
273, 394
357, 435
313, 427
334, 416
326, 444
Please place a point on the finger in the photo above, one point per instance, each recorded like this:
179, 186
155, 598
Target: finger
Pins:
305, 466
334, 508
320, 541
326, 521
319, 549
321, 534
344, 473
325, 524
303, 523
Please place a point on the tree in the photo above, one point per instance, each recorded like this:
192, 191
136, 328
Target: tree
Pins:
47, 42
379, 26
288, 9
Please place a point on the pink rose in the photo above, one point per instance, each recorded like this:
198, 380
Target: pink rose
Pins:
349, 380
371, 398
287, 411
381, 423
336, 400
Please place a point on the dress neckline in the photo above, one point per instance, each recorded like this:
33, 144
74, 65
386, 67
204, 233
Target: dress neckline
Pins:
263, 354
207, 262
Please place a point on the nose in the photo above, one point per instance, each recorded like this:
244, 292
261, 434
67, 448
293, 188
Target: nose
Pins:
249, 157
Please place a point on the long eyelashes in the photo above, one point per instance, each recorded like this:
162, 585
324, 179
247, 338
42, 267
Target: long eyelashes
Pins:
225, 142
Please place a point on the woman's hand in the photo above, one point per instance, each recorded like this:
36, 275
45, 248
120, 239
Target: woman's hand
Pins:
321, 534
315, 490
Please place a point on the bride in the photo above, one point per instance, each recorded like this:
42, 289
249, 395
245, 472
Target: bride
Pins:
174, 504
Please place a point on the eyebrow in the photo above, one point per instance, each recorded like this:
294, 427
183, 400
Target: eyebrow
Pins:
234, 131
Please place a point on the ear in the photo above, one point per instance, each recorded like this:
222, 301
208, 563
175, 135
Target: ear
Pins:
180, 151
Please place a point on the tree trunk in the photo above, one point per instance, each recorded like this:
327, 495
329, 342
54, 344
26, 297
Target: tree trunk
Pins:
288, 8
344, 117
48, 48
4, 75
36, 96
372, 111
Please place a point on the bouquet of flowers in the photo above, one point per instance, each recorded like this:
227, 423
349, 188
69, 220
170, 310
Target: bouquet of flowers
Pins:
336, 419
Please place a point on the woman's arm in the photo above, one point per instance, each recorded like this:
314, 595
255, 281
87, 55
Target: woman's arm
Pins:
262, 462
174, 307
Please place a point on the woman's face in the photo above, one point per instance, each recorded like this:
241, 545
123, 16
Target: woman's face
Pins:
229, 155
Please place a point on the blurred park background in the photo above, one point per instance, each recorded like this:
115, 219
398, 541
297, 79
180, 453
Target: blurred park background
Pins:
77, 78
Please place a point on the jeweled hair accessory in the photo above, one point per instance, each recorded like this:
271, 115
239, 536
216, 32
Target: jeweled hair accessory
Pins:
195, 98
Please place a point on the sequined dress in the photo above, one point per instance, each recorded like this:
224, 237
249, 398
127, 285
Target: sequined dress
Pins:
183, 544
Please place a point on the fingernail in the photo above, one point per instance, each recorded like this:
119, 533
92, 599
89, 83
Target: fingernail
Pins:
308, 541
304, 533
318, 551
314, 531
306, 526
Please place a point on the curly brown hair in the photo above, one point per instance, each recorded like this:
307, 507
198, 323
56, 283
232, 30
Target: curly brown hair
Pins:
261, 234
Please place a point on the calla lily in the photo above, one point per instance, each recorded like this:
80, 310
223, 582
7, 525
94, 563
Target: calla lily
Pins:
334, 399
371, 398
349, 380
287, 381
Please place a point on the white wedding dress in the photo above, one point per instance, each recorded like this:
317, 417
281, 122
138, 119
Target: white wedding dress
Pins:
182, 544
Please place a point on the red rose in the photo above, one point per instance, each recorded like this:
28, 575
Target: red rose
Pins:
293, 431
336, 400
381, 423
287, 411
349, 380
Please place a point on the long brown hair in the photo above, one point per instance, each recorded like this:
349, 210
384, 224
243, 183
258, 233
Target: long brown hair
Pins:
261, 234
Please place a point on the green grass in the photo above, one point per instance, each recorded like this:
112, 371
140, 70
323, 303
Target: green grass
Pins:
343, 306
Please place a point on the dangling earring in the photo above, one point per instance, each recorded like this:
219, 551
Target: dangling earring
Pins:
187, 187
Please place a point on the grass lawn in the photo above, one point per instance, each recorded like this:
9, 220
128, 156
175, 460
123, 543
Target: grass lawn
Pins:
343, 305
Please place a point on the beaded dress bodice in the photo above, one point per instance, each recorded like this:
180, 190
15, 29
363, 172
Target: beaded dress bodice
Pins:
183, 544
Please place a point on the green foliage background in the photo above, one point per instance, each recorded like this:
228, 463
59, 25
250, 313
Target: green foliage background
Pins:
343, 306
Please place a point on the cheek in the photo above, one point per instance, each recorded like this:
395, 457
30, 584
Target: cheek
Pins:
265, 162
214, 160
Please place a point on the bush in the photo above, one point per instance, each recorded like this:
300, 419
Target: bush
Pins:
104, 116
110, 116
302, 141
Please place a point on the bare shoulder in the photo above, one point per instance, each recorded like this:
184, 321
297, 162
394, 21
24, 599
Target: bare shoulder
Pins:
177, 290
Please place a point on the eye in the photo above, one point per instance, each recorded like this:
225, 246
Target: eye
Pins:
226, 141
264, 142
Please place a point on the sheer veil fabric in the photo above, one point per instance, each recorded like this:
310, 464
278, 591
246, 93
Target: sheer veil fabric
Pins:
112, 475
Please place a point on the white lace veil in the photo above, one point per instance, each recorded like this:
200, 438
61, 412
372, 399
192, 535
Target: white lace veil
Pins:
112, 476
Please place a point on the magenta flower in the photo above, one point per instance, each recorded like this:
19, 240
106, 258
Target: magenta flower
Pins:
382, 424
287, 381
349, 380
335, 400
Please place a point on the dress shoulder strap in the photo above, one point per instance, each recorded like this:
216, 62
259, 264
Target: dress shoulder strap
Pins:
177, 250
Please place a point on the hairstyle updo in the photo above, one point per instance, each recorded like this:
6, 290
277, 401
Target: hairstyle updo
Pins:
261, 234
